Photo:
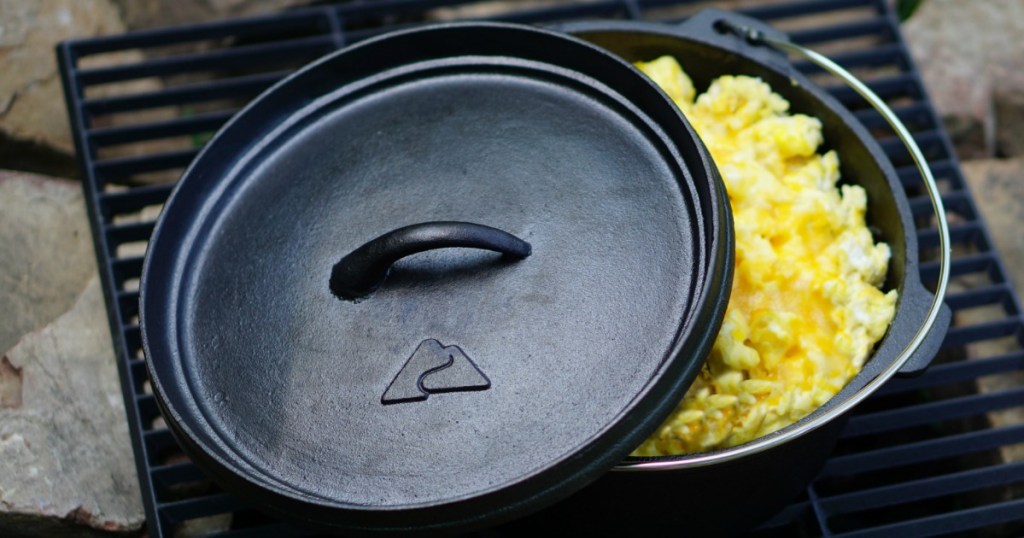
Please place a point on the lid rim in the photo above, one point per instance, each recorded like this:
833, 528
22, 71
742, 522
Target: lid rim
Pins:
215, 458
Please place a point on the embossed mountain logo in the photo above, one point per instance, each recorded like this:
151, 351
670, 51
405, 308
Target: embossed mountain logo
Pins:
432, 369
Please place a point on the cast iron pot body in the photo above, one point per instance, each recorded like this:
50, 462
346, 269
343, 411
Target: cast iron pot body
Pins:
728, 491
283, 391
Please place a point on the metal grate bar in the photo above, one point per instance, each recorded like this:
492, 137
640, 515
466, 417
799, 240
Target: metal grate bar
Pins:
128, 267
177, 472
136, 199
292, 52
956, 372
958, 233
124, 167
873, 27
287, 22
942, 169
929, 141
123, 233
132, 336
962, 520
962, 335
926, 488
201, 506
933, 449
959, 266
355, 10
965, 406
239, 87
566, 12
884, 55
127, 134
954, 202
913, 113
803, 8
276, 530
148, 410
129, 301
138, 378
890, 87
158, 442
995, 293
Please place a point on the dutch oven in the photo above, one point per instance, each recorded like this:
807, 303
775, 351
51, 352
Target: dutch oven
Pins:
449, 276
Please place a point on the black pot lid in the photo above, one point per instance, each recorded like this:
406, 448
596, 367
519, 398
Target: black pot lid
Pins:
470, 386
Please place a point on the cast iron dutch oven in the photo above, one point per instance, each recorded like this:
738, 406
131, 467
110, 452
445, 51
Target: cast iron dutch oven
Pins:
449, 276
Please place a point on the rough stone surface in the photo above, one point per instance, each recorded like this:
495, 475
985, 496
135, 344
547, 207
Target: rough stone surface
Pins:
968, 52
30, 93
1009, 112
66, 465
10, 385
999, 192
34, 131
47, 255
998, 189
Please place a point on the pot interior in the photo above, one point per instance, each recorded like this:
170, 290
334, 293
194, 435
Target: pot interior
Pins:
862, 162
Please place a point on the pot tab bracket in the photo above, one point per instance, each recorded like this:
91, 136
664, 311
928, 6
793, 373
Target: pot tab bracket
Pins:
723, 29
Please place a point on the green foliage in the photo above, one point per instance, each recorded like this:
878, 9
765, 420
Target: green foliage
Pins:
906, 8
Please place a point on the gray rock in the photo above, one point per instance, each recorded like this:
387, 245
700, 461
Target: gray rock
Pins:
34, 130
1009, 113
47, 252
30, 91
66, 465
966, 52
999, 192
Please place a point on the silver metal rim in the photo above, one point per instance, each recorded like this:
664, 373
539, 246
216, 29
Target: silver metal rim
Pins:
785, 435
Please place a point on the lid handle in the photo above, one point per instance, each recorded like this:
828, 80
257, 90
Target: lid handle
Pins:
364, 269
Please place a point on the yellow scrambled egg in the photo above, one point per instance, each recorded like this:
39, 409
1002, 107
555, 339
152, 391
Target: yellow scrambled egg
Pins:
806, 309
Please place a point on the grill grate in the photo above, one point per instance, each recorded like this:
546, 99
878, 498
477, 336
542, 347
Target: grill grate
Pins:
934, 455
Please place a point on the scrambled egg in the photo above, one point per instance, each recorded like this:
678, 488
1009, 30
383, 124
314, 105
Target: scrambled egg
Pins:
806, 309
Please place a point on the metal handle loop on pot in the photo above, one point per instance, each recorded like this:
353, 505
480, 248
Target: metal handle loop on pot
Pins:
904, 135
756, 37
364, 269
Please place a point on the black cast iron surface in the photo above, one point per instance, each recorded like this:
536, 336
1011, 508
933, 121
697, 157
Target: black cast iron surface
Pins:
270, 379
922, 457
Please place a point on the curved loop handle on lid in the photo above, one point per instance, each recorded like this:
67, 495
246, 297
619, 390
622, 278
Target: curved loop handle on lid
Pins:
364, 269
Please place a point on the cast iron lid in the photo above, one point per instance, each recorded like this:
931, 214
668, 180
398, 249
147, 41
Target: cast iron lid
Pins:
302, 356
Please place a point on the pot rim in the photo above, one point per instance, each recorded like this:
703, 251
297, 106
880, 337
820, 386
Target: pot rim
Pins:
937, 318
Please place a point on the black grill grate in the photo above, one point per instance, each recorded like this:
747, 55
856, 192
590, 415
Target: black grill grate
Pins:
926, 456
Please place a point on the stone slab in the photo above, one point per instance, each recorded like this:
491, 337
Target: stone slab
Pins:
30, 93
968, 53
47, 251
66, 464
998, 189
35, 134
